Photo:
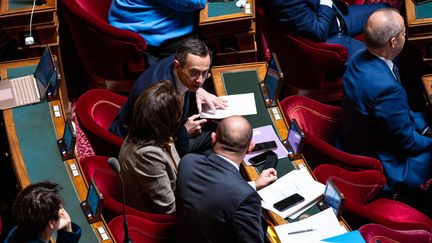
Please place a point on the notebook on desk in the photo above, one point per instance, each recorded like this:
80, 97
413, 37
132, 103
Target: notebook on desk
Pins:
29, 89
272, 83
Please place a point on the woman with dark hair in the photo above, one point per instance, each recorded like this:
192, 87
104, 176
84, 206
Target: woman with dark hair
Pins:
148, 156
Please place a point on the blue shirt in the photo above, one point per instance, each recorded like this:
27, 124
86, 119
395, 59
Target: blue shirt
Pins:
155, 20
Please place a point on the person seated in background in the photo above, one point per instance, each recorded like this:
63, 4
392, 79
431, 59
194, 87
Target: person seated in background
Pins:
187, 70
38, 213
161, 23
214, 202
330, 21
376, 119
148, 157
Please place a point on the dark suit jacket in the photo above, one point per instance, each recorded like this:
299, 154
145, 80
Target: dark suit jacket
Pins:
317, 22
15, 236
377, 121
214, 203
162, 70
306, 17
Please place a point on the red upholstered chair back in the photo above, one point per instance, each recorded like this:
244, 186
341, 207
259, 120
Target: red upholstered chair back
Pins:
363, 202
321, 123
373, 233
97, 168
310, 68
142, 230
95, 110
112, 57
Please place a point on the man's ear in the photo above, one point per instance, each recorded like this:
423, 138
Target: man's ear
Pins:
250, 147
213, 139
176, 64
393, 42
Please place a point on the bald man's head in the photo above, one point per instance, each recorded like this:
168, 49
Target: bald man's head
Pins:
234, 134
383, 25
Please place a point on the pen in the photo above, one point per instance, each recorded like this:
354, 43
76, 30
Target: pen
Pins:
300, 231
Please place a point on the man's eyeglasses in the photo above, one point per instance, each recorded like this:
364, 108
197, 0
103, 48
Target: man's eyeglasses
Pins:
194, 74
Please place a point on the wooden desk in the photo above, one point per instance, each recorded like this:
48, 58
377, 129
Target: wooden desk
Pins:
279, 122
15, 19
230, 31
39, 150
419, 26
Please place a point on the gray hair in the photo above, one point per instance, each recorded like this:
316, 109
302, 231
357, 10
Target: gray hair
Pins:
377, 34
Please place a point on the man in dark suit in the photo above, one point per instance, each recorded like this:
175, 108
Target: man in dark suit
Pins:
376, 119
324, 20
214, 203
187, 69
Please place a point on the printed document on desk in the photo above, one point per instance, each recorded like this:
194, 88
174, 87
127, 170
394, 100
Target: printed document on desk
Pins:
312, 229
264, 134
239, 104
296, 181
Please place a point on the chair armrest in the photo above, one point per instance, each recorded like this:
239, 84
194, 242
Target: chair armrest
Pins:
359, 187
397, 215
322, 151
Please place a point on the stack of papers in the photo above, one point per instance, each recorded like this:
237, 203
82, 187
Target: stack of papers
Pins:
240, 104
312, 229
296, 181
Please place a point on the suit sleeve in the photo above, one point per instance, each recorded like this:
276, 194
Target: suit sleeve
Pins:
302, 19
184, 5
69, 237
393, 115
247, 220
154, 179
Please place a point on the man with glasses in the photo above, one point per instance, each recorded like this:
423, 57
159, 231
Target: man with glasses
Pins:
376, 119
188, 68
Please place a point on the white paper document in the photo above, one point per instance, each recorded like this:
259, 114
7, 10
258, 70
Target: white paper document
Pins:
296, 181
239, 104
312, 229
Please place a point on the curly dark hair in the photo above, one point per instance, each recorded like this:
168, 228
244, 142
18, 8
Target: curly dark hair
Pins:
157, 114
35, 206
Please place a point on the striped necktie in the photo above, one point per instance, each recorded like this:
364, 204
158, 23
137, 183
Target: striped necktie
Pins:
396, 72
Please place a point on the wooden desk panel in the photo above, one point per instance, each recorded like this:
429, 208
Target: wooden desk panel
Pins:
230, 33
23, 174
419, 26
204, 18
9, 8
250, 172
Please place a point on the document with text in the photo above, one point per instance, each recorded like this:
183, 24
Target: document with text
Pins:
239, 104
296, 181
312, 229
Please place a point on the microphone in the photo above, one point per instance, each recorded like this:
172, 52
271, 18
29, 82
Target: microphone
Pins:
115, 165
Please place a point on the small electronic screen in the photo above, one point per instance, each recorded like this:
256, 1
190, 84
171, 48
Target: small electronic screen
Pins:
295, 140
68, 136
93, 198
333, 197
66, 144
92, 206
45, 71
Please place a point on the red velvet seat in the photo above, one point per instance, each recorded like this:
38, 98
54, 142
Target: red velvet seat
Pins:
373, 233
142, 230
97, 168
320, 123
95, 110
112, 57
363, 203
